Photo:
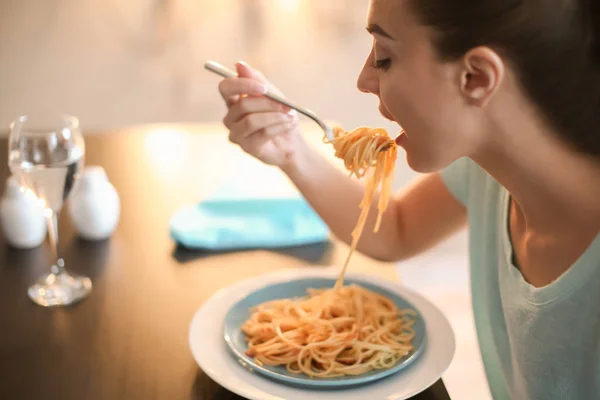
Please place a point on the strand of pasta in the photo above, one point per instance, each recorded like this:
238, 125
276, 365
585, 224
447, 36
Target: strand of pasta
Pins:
370, 152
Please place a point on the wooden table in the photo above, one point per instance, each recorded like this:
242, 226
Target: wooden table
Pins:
129, 339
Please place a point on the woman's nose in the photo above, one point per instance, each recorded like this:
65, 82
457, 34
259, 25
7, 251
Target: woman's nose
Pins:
368, 81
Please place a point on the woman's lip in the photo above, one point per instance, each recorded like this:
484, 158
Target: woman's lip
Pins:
401, 138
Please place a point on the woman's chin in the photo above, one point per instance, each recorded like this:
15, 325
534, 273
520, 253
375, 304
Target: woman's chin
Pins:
416, 164
419, 161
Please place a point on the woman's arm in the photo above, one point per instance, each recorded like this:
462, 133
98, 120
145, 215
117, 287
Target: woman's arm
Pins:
418, 217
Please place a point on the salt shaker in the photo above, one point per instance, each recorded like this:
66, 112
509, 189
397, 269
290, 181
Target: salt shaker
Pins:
94, 205
22, 217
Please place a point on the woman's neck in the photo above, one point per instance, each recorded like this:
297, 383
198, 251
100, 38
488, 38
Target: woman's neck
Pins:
556, 188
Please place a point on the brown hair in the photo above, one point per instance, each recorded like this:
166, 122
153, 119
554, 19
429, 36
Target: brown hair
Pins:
553, 46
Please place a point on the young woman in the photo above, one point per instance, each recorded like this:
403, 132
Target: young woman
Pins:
500, 101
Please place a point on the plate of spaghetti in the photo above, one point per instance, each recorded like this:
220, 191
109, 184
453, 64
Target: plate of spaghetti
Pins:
307, 332
214, 357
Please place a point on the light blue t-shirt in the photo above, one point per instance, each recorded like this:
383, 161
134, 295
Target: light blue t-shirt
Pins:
536, 343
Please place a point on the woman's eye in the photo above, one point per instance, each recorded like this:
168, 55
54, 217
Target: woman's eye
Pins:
382, 64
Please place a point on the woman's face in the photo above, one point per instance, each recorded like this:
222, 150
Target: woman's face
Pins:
420, 93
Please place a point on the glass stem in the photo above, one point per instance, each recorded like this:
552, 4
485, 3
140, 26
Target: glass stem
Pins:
52, 222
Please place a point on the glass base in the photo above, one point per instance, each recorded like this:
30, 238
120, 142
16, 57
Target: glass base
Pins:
59, 289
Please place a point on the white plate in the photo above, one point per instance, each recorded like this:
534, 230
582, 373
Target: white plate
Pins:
214, 358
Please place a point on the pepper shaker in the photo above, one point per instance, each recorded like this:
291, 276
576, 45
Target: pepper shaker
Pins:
94, 206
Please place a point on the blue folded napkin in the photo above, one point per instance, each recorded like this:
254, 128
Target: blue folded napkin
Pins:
230, 224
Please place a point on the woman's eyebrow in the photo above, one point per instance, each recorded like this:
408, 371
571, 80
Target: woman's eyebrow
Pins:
374, 28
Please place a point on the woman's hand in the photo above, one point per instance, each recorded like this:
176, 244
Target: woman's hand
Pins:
262, 127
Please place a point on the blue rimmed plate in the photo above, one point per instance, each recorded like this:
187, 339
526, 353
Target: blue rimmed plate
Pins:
240, 312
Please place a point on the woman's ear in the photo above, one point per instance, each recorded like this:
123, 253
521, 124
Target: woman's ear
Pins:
481, 73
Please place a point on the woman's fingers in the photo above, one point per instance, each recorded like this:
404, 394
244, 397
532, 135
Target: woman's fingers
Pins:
253, 123
230, 88
251, 105
246, 71
249, 82
266, 138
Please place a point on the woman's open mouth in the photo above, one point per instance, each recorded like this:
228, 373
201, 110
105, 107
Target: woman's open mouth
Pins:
401, 138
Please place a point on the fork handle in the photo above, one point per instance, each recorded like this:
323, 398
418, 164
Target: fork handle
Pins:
227, 73
219, 69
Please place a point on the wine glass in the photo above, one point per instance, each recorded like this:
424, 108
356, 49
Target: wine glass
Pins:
46, 157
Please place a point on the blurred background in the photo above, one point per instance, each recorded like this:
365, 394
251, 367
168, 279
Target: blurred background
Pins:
116, 63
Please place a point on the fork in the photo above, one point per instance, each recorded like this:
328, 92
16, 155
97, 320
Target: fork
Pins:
226, 73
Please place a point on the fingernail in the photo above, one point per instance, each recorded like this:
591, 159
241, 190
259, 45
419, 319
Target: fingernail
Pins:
293, 115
